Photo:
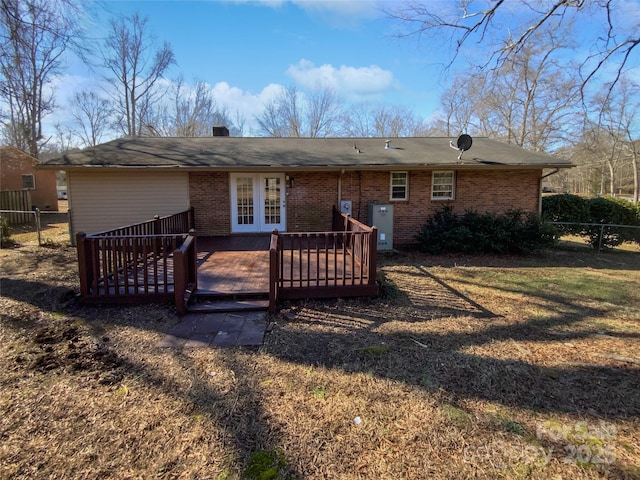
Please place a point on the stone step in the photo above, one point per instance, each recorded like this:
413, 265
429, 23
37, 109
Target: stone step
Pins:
202, 294
229, 305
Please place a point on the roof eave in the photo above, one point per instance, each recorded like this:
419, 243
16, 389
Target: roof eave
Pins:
312, 168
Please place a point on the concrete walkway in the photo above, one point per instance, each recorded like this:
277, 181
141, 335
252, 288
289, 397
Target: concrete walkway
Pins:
217, 330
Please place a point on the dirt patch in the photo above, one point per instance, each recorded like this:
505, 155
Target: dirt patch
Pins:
466, 367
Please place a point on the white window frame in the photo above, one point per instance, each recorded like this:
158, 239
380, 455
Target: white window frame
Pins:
33, 181
406, 187
450, 187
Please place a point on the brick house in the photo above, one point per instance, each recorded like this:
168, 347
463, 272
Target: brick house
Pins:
251, 185
18, 171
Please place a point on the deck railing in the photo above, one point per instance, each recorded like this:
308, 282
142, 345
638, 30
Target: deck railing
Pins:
185, 272
151, 261
324, 264
180, 222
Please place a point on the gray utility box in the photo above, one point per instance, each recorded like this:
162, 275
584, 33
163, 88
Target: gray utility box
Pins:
381, 216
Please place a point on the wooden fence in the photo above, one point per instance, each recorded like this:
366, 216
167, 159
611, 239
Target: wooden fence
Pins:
152, 261
324, 264
17, 203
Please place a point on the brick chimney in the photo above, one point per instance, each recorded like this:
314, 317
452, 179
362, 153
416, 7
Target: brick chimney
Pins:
220, 131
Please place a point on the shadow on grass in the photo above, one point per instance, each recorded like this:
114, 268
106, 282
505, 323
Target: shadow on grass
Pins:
336, 335
560, 256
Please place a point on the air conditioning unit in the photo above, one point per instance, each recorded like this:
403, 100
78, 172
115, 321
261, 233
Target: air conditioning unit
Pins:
381, 217
346, 206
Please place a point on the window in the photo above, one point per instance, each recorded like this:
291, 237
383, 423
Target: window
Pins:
28, 182
399, 185
442, 185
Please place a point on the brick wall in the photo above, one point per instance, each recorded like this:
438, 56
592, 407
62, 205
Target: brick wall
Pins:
210, 198
313, 194
15, 163
310, 201
493, 191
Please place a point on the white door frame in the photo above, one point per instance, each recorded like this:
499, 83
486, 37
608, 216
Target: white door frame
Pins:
249, 203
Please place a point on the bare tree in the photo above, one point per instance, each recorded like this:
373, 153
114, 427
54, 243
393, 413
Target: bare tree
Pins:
294, 114
281, 116
459, 106
290, 111
358, 121
188, 111
366, 120
197, 111
239, 123
92, 117
618, 125
135, 70
396, 121
529, 101
34, 34
613, 47
323, 112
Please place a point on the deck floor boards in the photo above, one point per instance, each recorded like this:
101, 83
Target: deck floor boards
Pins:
240, 264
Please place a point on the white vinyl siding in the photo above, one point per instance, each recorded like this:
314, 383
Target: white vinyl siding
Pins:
104, 200
443, 185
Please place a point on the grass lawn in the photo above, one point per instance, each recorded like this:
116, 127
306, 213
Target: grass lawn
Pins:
466, 367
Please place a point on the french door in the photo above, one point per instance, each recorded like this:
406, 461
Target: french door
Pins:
257, 202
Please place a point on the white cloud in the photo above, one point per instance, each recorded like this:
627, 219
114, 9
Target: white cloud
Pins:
246, 104
367, 8
352, 83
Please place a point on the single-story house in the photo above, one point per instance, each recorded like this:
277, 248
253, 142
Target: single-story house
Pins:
19, 172
246, 185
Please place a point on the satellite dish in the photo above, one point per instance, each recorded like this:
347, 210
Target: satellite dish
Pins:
463, 144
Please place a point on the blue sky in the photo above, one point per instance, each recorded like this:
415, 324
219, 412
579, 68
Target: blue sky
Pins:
246, 50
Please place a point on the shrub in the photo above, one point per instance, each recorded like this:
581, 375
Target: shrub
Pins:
5, 233
566, 208
614, 211
603, 210
472, 232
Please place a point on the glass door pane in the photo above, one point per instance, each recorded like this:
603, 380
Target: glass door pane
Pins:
244, 201
272, 199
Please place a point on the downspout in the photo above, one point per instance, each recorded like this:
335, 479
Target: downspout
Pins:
340, 188
556, 170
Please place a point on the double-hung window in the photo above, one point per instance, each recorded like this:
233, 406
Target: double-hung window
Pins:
399, 189
443, 185
28, 182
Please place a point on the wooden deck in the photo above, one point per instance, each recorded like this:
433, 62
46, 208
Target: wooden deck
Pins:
239, 265
150, 262
233, 265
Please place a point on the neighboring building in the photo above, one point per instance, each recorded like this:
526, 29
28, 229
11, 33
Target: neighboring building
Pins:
247, 185
18, 171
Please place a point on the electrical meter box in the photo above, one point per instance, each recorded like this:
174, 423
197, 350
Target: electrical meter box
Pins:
381, 217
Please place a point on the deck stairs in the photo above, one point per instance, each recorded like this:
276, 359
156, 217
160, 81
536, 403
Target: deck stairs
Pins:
215, 301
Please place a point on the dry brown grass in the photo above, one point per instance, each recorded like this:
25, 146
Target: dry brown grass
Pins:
477, 367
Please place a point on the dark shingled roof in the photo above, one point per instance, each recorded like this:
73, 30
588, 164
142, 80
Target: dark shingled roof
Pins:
267, 153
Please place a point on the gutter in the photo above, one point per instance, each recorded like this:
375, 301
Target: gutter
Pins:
309, 168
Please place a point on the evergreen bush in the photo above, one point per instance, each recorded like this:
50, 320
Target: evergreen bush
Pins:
5, 233
602, 210
473, 232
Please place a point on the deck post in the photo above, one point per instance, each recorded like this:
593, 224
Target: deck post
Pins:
84, 269
373, 254
191, 215
179, 284
193, 260
273, 271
